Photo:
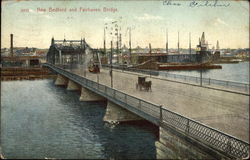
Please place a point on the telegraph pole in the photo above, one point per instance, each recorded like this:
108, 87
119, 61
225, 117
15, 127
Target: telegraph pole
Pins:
117, 45
151, 57
130, 50
104, 42
111, 66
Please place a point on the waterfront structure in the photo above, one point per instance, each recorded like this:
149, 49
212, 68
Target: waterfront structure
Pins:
202, 54
73, 52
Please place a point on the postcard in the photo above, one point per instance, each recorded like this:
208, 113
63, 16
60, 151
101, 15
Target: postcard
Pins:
116, 79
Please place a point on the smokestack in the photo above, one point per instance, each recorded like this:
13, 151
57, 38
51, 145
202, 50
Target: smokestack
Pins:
11, 44
150, 48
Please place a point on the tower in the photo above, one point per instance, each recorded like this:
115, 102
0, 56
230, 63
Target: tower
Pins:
217, 45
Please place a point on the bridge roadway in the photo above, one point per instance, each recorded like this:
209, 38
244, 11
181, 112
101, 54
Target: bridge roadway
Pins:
225, 111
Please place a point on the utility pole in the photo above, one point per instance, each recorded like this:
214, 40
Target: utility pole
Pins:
201, 76
130, 50
104, 42
151, 57
117, 43
111, 66
120, 44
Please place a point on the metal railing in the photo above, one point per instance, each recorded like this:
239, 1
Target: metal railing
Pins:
190, 79
159, 115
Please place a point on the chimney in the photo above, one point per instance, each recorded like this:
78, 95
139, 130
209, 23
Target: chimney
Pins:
11, 44
150, 51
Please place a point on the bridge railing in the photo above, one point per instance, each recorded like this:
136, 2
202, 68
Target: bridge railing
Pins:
210, 136
190, 79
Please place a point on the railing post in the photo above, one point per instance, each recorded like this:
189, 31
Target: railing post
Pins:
139, 104
126, 98
229, 147
161, 113
187, 130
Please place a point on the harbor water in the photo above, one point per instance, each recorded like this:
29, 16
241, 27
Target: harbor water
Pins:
39, 119
236, 72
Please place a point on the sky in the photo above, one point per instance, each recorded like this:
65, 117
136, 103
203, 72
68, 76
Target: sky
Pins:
148, 20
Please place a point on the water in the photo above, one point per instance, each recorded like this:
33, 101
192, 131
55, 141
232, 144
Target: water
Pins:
237, 72
41, 120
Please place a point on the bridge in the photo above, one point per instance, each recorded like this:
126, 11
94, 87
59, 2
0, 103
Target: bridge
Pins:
194, 121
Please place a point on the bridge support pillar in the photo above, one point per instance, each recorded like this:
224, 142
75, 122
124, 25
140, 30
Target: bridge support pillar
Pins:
61, 80
87, 95
177, 145
115, 113
73, 86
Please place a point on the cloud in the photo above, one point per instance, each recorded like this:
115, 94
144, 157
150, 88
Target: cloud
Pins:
107, 19
218, 21
48, 16
148, 17
41, 14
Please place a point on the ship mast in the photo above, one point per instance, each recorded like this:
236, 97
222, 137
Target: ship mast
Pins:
167, 42
178, 44
104, 42
189, 43
130, 50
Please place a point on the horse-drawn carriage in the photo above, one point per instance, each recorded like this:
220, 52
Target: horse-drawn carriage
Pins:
143, 84
94, 68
